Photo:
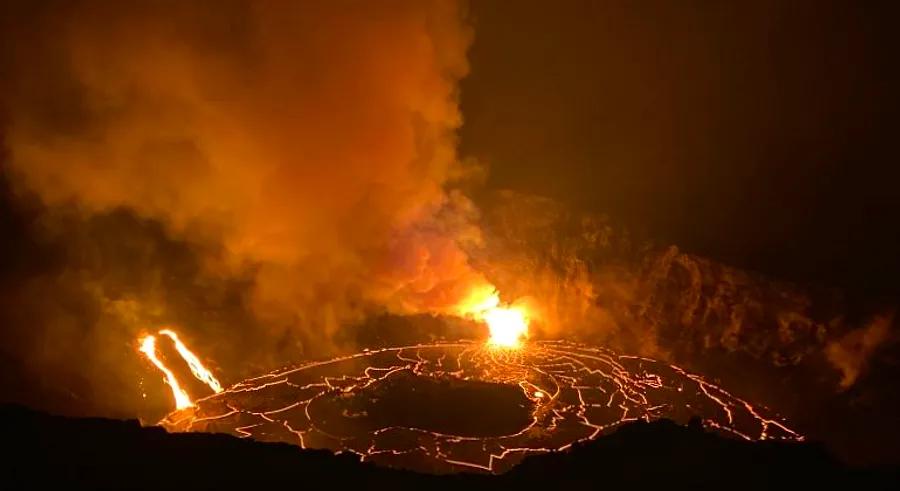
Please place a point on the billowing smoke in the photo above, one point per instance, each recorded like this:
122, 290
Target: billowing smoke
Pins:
289, 161
263, 174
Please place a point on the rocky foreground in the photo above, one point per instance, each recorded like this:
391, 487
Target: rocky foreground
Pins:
42, 450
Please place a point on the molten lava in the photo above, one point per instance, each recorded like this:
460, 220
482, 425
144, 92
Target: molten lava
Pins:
400, 406
547, 394
200, 372
508, 325
148, 347
182, 399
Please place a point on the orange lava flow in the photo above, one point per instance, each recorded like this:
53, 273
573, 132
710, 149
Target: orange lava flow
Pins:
200, 372
148, 347
182, 399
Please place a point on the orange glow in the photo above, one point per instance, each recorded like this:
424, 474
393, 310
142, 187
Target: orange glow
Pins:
148, 347
197, 368
508, 325
575, 381
480, 299
182, 399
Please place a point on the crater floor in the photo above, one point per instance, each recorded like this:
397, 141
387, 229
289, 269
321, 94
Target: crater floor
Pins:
449, 407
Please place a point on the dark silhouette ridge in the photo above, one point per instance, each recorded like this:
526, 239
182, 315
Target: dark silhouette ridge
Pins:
44, 450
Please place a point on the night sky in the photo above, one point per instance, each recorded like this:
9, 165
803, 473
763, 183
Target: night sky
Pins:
759, 133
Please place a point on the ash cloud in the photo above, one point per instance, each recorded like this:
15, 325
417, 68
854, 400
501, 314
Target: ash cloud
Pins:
298, 155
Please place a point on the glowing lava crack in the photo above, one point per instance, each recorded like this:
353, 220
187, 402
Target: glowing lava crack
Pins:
397, 406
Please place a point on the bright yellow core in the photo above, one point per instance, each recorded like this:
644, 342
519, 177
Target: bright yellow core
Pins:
507, 326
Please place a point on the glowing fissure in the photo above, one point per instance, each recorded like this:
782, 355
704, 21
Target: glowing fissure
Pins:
182, 399
200, 372
575, 392
507, 326
148, 347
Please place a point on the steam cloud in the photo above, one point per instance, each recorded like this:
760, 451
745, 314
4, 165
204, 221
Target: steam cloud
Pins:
301, 151
261, 173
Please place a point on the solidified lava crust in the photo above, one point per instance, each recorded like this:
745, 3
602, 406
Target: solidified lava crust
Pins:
450, 407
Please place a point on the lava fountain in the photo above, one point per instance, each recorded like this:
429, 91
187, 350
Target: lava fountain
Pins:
507, 325
466, 405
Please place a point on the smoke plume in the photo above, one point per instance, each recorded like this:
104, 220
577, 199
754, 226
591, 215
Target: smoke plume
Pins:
262, 174
296, 158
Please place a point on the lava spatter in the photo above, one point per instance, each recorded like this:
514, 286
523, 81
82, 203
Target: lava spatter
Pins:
449, 407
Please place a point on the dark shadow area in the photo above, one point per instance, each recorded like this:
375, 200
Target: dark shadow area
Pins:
450, 406
110, 454
758, 133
